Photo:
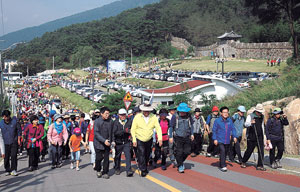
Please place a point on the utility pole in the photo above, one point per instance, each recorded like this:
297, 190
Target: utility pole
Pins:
131, 56
1, 83
93, 75
53, 62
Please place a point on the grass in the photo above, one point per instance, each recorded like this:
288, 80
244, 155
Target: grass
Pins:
230, 65
72, 99
78, 73
288, 84
152, 84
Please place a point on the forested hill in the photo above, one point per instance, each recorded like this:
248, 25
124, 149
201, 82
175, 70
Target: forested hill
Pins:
147, 32
108, 10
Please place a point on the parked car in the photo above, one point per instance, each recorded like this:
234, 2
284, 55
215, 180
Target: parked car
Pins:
98, 97
106, 84
79, 91
91, 96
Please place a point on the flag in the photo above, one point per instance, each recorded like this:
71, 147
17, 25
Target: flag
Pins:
151, 98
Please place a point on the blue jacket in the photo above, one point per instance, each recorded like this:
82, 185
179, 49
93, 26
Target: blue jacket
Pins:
238, 124
274, 128
223, 129
10, 131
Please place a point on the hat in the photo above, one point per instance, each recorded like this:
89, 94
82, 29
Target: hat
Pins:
130, 111
163, 112
57, 116
122, 112
198, 110
66, 117
77, 115
172, 107
242, 109
183, 107
87, 117
91, 112
97, 111
77, 131
259, 108
146, 106
215, 108
52, 112
277, 111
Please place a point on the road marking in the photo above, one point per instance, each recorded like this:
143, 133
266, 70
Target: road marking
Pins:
282, 169
154, 180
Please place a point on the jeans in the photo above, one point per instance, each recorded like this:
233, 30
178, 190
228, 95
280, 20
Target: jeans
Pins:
182, 149
224, 149
102, 155
250, 147
75, 156
143, 151
93, 153
280, 147
10, 159
161, 152
211, 146
235, 149
197, 143
33, 154
126, 149
56, 153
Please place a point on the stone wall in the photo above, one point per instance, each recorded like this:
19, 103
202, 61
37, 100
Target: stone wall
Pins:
227, 49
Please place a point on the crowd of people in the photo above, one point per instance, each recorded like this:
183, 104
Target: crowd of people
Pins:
174, 133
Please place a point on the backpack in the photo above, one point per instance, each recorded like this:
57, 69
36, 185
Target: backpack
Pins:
177, 121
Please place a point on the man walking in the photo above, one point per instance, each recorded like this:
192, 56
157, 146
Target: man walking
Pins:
275, 136
172, 112
142, 133
11, 133
223, 130
212, 150
102, 139
199, 126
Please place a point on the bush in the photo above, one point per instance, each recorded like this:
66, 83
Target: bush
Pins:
291, 61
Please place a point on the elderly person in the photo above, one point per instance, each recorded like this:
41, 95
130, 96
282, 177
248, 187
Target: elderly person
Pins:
142, 132
57, 136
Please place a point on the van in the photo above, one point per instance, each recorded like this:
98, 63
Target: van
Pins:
238, 75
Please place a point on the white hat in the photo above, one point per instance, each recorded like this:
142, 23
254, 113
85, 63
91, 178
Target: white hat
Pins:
146, 106
87, 117
259, 108
130, 111
122, 111
97, 111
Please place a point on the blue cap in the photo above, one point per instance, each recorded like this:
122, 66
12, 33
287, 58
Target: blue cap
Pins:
242, 109
183, 107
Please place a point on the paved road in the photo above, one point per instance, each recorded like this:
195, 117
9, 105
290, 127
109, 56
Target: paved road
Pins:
202, 174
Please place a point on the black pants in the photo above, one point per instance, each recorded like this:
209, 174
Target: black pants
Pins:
143, 151
235, 149
126, 149
161, 152
10, 160
182, 149
280, 147
211, 146
33, 154
197, 143
102, 155
66, 150
56, 152
224, 150
250, 148
45, 147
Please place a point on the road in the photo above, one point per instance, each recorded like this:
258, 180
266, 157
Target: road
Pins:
201, 174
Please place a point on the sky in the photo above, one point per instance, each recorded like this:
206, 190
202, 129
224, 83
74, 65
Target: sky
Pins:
19, 14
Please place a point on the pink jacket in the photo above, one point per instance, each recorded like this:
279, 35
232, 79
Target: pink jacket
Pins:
53, 136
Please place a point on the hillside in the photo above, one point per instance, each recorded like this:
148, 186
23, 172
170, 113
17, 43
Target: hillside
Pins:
109, 10
147, 32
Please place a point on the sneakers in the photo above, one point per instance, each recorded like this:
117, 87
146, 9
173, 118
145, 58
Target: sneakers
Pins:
72, 166
243, 165
117, 172
77, 169
129, 173
99, 174
7, 173
208, 155
181, 169
183, 166
144, 174
163, 167
274, 165
30, 169
59, 165
105, 176
223, 169
193, 155
14, 173
278, 163
174, 164
260, 168
53, 167
43, 159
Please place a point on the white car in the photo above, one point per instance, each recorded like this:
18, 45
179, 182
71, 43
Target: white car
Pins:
128, 87
99, 97
79, 91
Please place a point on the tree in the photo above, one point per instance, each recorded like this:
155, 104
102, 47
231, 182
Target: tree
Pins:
114, 102
274, 10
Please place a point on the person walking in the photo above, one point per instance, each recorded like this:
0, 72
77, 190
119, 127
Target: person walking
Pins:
89, 141
199, 127
255, 136
238, 120
162, 151
57, 136
182, 131
275, 136
74, 145
121, 137
223, 130
171, 115
65, 148
11, 133
33, 134
212, 150
102, 140
142, 132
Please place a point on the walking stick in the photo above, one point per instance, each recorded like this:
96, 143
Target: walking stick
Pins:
258, 145
135, 159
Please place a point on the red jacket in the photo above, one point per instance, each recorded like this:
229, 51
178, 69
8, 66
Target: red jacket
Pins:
33, 132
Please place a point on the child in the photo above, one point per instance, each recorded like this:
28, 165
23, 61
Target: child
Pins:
74, 145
